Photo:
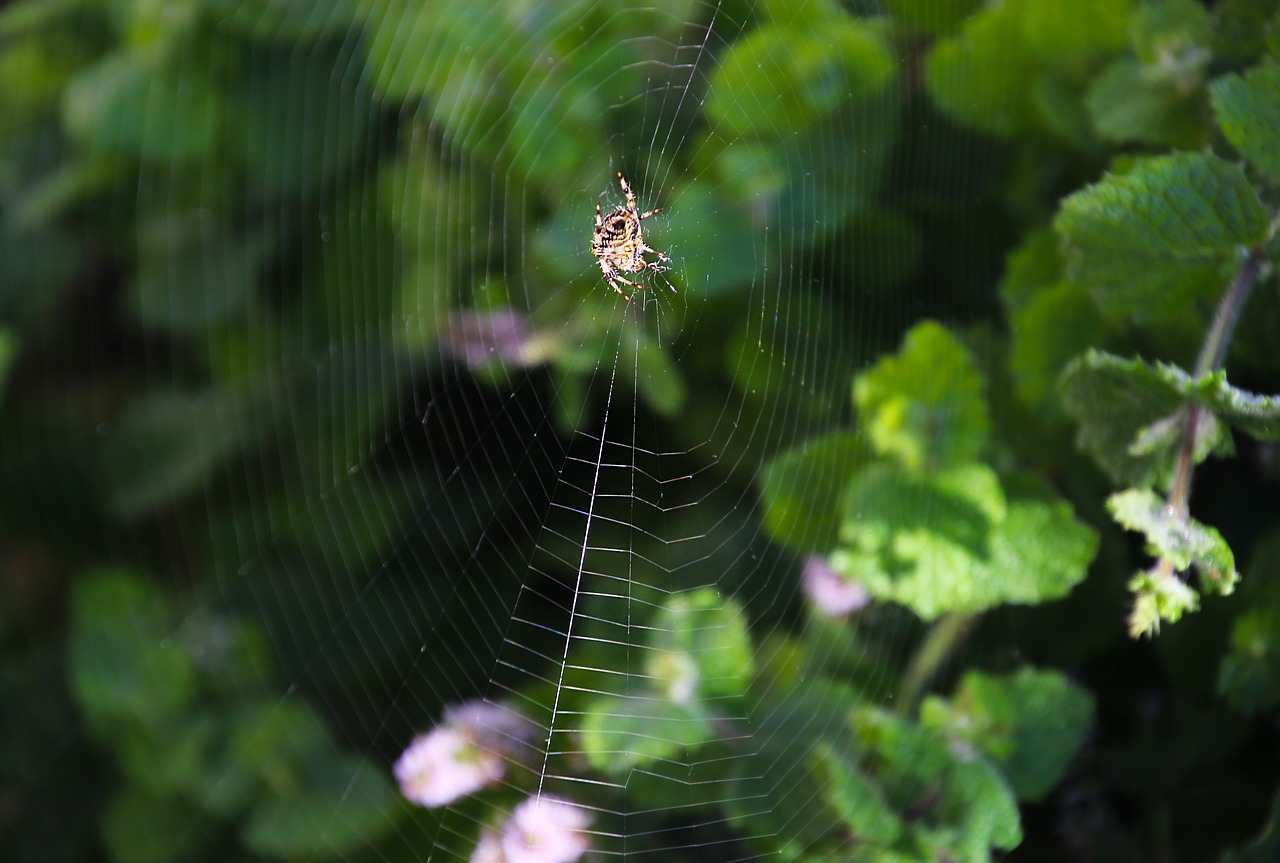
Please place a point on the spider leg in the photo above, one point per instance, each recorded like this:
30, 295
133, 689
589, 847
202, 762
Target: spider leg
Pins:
599, 221
612, 277
651, 213
660, 255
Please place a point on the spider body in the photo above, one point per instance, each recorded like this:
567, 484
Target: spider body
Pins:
618, 242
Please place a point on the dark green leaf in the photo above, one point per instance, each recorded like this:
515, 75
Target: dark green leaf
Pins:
157, 105
801, 490
8, 348
1249, 676
1132, 103
165, 446
855, 799
345, 805
775, 82
1030, 724
125, 666
302, 117
1248, 111
932, 16
1240, 29
1048, 333
982, 74
1131, 414
293, 20
140, 828
1172, 32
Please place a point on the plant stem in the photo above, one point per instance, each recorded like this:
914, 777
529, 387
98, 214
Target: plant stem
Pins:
1212, 354
939, 644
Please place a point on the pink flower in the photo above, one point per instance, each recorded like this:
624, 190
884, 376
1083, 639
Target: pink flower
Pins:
494, 726
545, 830
488, 849
445, 764
831, 593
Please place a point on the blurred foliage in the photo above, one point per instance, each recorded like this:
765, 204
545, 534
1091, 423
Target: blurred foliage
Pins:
308, 378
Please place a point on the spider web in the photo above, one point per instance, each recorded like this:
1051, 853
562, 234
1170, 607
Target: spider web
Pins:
462, 468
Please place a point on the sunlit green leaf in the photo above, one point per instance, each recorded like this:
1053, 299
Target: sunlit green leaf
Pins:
1176, 537
712, 632
1167, 234
619, 734
950, 542
924, 406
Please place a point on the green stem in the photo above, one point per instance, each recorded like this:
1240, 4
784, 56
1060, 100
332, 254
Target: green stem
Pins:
938, 645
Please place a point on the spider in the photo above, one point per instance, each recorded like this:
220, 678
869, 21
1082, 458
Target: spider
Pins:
619, 245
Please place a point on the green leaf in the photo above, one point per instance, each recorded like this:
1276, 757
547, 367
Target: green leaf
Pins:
1248, 111
960, 807
1132, 102
621, 733
125, 666
1265, 847
801, 490
291, 20
774, 83
138, 827
657, 378
855, 799
345, 805
156, 105
192, 280
1240, 29
1171, 32
924, 405
1249, 677
1008, 68
1177, 538
981, 76
1131, 414
301, 117
1250, 673
165, 445
1035, 265
1048, 333
1030, 723
712, 633
950, 542
1119, 403
8, 349
932, 16
1167, 234
712, 263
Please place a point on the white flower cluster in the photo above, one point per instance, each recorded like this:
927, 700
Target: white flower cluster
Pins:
540, 830
468, 751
